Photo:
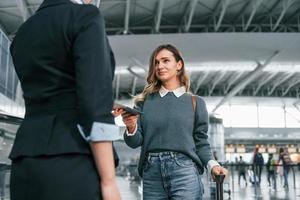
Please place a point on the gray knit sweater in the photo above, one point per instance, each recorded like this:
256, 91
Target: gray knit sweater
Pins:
167, 124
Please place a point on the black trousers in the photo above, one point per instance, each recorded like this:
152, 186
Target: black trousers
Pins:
62, 177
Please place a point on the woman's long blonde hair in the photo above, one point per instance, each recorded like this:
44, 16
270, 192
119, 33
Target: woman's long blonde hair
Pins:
153, 83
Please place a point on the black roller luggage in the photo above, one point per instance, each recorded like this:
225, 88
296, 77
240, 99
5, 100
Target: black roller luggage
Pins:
219, 183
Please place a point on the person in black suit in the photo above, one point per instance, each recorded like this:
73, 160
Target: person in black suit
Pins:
63, 149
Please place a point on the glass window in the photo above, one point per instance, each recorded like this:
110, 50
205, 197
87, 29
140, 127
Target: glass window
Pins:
10, 79
243, 116
224, 113
15, 86
271, 117
3, 64
292, 117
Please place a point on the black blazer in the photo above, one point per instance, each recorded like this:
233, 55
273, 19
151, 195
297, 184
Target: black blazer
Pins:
65, 64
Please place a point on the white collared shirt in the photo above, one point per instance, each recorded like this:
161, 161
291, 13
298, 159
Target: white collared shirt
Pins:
163, 92
77, 1
177, 92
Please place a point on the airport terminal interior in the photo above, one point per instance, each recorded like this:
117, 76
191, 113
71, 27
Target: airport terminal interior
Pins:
243, 59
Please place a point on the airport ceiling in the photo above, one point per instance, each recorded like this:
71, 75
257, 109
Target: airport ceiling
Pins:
246, 47
176, 16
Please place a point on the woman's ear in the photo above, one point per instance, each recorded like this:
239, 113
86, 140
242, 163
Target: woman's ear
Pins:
179, 65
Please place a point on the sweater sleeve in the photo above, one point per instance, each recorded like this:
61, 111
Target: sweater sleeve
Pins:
135, 140
203, 148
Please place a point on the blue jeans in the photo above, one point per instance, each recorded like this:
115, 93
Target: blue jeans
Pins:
170, 175
285, 175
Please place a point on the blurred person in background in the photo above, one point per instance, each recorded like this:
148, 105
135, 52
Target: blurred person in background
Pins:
285, 160
242, 168
271, 170
258, 164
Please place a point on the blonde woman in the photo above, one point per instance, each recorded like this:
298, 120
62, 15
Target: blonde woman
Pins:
172, 136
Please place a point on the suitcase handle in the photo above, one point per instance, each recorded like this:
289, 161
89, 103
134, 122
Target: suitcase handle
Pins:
219, 183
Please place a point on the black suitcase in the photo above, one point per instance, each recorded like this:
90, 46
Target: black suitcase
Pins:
219, 183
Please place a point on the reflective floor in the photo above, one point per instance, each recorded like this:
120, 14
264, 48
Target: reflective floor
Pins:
261, 192
130, 189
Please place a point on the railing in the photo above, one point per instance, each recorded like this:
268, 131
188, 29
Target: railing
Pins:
5, 167
233, 171
4, 180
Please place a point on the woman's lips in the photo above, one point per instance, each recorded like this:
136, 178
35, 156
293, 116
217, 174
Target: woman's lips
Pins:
161, 73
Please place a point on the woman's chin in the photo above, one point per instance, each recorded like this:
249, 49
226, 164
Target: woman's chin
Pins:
162, 78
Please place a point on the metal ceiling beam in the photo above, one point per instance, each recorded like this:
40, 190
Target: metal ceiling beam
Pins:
151, 12
294, 14
3, 29
270, 12
258, 70
290, 86
285, 8
192, 7
209, 27
133, 88
142, 20
16, 7
205, 6
274, 6
263, 82
298, 23
158, 15
224, 8
111, 6
279, 82
139, 63
295, 104
11, 14
117, 85
217, 6
200, 82
127, 15
215, 82
22, 5
232, 81
242, 11
255, 7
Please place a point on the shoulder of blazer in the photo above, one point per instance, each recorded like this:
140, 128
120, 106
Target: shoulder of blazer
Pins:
85, 15
86, 10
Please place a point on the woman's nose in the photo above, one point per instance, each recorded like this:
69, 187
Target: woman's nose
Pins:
160, 65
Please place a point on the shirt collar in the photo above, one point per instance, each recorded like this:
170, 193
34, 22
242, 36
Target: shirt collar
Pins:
177, 92
77, 1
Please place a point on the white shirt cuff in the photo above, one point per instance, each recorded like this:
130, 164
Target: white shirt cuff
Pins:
211, 164
101, 132
133, 133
